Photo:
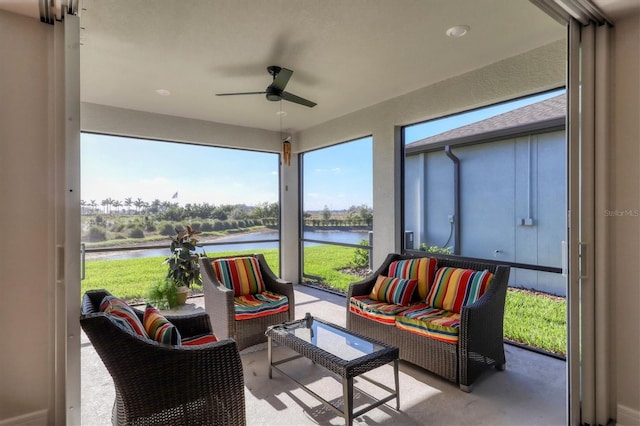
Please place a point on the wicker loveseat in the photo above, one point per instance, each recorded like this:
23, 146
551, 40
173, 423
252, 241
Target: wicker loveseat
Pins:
475, 343
167, 384
241, 318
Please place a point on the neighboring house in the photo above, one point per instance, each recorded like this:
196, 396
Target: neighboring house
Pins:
512, 191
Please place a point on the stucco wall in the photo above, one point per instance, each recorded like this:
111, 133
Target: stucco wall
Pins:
625, 229
125, 122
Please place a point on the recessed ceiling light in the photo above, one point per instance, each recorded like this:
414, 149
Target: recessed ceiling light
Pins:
458, 31
163, 92
281, 113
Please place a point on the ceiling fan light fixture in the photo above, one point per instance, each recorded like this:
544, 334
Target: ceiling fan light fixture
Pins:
458, 31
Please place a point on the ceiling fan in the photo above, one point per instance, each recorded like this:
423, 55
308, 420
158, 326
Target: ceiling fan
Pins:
275, 91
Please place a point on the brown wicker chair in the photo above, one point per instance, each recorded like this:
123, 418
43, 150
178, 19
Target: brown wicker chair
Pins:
218, 303
168, 385
480, 340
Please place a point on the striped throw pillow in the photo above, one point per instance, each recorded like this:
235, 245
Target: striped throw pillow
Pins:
393, 290
159, 328
123, 314
240, 274
423, 269
456, 287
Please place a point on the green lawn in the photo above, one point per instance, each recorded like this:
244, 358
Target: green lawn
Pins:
131, 279
537, 320
533, 319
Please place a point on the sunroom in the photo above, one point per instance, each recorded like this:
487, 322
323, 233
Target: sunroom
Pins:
154, 72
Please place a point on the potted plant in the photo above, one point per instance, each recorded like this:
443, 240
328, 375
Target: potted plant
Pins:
184, 269
163, 294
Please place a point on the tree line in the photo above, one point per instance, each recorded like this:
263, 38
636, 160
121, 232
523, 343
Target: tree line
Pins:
172, 211
167, 210
139, 219
361, 215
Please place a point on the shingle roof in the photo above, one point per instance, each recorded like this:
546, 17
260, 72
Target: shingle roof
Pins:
549, 110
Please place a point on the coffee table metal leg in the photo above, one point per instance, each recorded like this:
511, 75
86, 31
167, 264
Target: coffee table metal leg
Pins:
270, 355
397, 380
347, 389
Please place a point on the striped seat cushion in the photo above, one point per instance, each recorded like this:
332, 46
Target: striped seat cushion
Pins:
159, 328
381, 312
430, 322
455, 287
240, 274
423, 269
202, 339
259, 305
122, 314
397, 291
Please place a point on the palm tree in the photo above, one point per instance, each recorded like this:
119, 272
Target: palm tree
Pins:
83, 204
117, 204
93, 205
128, 202
107, 202
138, 203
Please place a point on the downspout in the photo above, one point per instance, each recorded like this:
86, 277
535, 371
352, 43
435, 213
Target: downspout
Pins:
456, 198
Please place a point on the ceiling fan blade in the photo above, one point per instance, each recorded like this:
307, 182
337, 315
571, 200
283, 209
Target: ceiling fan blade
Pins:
241, 93
297, 99
282, 78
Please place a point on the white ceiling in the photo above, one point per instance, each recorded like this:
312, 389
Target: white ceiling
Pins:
345, 54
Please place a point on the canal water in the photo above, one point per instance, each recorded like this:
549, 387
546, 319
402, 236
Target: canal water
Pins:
237, 242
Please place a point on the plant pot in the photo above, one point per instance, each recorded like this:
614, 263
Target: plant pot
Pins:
183, 293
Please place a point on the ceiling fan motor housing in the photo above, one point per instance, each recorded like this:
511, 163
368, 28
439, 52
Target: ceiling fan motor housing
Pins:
273, 94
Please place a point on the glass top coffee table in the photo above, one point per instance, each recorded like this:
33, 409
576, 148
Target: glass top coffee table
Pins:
339, 350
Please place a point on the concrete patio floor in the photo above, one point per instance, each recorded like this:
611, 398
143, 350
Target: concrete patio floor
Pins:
531, 391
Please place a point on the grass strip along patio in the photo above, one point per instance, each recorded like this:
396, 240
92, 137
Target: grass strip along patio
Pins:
531, 318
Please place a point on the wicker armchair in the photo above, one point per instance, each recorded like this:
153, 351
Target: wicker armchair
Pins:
481, 341
219, 304
159, 384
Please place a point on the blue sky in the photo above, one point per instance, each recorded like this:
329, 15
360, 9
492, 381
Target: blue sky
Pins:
338, 177
119, 167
